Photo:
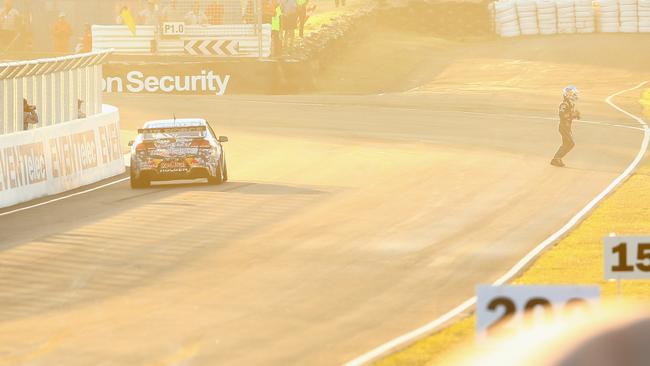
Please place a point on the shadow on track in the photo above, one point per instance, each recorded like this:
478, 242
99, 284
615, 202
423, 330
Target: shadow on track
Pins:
147, 234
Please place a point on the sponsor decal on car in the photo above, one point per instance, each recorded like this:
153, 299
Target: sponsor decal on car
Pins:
172, 166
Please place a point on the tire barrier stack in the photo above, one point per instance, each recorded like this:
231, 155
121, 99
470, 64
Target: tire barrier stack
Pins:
609, 21
644, 15
527, 13
585, 14
547, 17
566, 17
629, 16
514, 18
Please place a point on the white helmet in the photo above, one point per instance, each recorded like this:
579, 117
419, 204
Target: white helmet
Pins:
571, 93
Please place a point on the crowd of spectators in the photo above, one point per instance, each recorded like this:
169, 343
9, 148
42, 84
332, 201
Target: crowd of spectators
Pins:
16, 32
194, 13
12, 26
213, 12
285, 16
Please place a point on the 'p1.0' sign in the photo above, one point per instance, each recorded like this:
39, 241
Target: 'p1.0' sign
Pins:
515, 307
627, 257
173, 28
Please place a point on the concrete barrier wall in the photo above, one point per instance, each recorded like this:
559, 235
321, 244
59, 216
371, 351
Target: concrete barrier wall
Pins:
59, 158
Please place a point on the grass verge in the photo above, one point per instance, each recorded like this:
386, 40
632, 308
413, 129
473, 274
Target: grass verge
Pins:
576, 259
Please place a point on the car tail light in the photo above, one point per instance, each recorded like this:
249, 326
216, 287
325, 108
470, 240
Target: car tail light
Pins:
144, 146
201, 143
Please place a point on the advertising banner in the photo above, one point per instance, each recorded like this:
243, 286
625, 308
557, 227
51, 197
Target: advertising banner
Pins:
59, 158
213, 78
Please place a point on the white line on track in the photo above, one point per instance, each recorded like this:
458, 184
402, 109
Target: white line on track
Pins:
408, 338
64, 197
127, 163
522, 116
126, 159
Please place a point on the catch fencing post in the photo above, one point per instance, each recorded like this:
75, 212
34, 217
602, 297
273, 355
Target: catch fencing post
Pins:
89, 94
92, 95
82, 85
48, 91
3, 102
98, 88
37, 98
74, 95
28, 89
10, 106
47, 105
260, 33
66, 96
58, 95
18, 105
90, 75
73, 70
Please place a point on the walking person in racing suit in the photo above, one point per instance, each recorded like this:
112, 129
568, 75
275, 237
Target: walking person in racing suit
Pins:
568, 113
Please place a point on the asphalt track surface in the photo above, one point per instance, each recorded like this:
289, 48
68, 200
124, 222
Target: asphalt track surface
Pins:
348, 220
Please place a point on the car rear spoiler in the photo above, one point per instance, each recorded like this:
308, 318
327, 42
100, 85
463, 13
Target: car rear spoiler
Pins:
172, 129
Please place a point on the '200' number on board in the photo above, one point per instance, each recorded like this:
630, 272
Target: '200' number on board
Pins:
510, 308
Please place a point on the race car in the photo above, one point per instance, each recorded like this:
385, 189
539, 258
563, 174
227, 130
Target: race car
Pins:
177, 149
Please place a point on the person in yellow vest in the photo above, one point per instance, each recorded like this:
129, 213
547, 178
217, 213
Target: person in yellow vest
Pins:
301, 8
276, 41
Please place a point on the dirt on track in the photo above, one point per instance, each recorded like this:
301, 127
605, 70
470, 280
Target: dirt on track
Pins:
350, 219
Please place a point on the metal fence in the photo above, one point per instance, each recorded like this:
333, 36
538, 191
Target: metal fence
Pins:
215, 40
57, 89
194, 12
223, 28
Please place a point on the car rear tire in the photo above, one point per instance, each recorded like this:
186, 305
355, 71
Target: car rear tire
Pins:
218, 179
137, 183
140, 183
225, 170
